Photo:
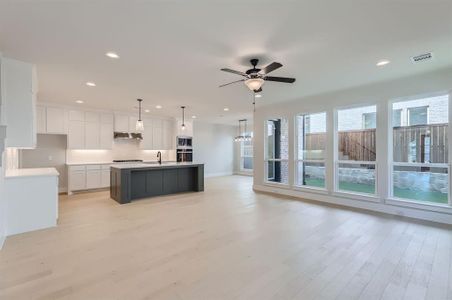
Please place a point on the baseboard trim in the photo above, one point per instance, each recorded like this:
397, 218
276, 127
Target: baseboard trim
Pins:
208, 175
2, 241
381, 207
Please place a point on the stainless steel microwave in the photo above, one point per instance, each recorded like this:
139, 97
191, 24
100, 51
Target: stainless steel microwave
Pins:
184, 142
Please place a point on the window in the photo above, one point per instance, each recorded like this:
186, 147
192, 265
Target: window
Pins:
356, 150
369, 120
311, 141
277, 151
418, 115
397, 118
420, 151
246, 154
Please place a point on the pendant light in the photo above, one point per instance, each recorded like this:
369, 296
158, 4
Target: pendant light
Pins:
139, 126
183, 118
243, 136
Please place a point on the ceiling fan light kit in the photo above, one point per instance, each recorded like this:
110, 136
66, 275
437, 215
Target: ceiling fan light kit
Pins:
255, 77
254, 84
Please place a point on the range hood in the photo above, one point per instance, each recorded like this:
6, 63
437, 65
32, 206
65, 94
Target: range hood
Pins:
127, 136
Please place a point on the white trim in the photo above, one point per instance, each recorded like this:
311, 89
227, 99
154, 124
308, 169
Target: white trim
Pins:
357, 196
411, 212
277, 184
444, 208
2, 241
312, 189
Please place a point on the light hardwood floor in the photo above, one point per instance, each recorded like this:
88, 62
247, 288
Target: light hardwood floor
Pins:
226, 243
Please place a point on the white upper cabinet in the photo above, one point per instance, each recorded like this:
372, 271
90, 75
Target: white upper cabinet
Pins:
56, 120
121, 123
168, 135
18, 94
146, 143
106, 131
132, 123
76, 135
92, 130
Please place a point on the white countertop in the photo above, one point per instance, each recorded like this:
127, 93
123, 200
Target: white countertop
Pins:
106, 163
152, 165
16, 173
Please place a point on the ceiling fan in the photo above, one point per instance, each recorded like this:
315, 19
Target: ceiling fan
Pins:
255, 77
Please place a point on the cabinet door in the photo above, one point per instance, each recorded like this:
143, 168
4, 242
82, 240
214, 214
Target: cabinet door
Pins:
106, 136
105, 178
76, 135
55, 120
18, 103
157, 138
167, 135
92, 135
146, 143
121, 123
93, 179
77, 180
132, 124
41, 119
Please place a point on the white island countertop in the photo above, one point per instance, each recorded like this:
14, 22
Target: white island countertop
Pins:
153, 165
31, 172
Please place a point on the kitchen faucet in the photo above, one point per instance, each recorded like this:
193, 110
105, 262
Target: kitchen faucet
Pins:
159, 156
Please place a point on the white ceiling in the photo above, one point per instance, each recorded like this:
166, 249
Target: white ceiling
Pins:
172, 51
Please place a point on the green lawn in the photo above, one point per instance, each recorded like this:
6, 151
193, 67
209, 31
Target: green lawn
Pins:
432, 197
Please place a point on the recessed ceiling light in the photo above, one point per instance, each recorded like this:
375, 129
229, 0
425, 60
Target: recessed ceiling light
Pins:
158, 106
79, 101
383, 62
147, 110
112, 55
193, 117
90, 84
226, 109
258, 95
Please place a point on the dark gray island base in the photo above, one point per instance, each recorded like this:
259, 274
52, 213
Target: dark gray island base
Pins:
135, 181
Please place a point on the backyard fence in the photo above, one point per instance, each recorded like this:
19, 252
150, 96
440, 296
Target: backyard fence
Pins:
419, 143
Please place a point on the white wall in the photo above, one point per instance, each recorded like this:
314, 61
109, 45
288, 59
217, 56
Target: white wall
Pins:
417, 86
50, 152
2, 202
213, 145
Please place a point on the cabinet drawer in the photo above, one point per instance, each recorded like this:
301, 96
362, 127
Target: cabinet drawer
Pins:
77, 168
93, 167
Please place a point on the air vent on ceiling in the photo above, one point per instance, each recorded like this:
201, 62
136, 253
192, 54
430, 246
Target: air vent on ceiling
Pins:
422, 57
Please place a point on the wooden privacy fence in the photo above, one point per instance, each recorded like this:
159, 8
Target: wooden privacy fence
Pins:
419, 143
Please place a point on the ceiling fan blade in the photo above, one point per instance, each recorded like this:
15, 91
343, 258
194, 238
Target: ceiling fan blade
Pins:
280, 79
231, 82
271, 67
233, 71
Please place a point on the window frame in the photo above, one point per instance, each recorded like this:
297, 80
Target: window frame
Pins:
296, 159
391, 163
267, 159
243, 156
337, 162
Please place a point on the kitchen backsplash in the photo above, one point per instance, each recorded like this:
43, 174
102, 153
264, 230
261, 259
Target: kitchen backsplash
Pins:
122, 149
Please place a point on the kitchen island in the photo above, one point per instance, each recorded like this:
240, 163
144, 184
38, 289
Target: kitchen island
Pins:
142, 180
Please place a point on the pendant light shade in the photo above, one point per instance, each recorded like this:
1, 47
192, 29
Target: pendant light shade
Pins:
139, 126
183, 118
254, 84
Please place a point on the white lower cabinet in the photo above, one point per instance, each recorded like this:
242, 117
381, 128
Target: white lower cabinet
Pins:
93, 177
77, 178
88, 177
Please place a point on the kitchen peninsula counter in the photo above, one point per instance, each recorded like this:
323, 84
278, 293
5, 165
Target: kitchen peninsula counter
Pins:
142, 180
